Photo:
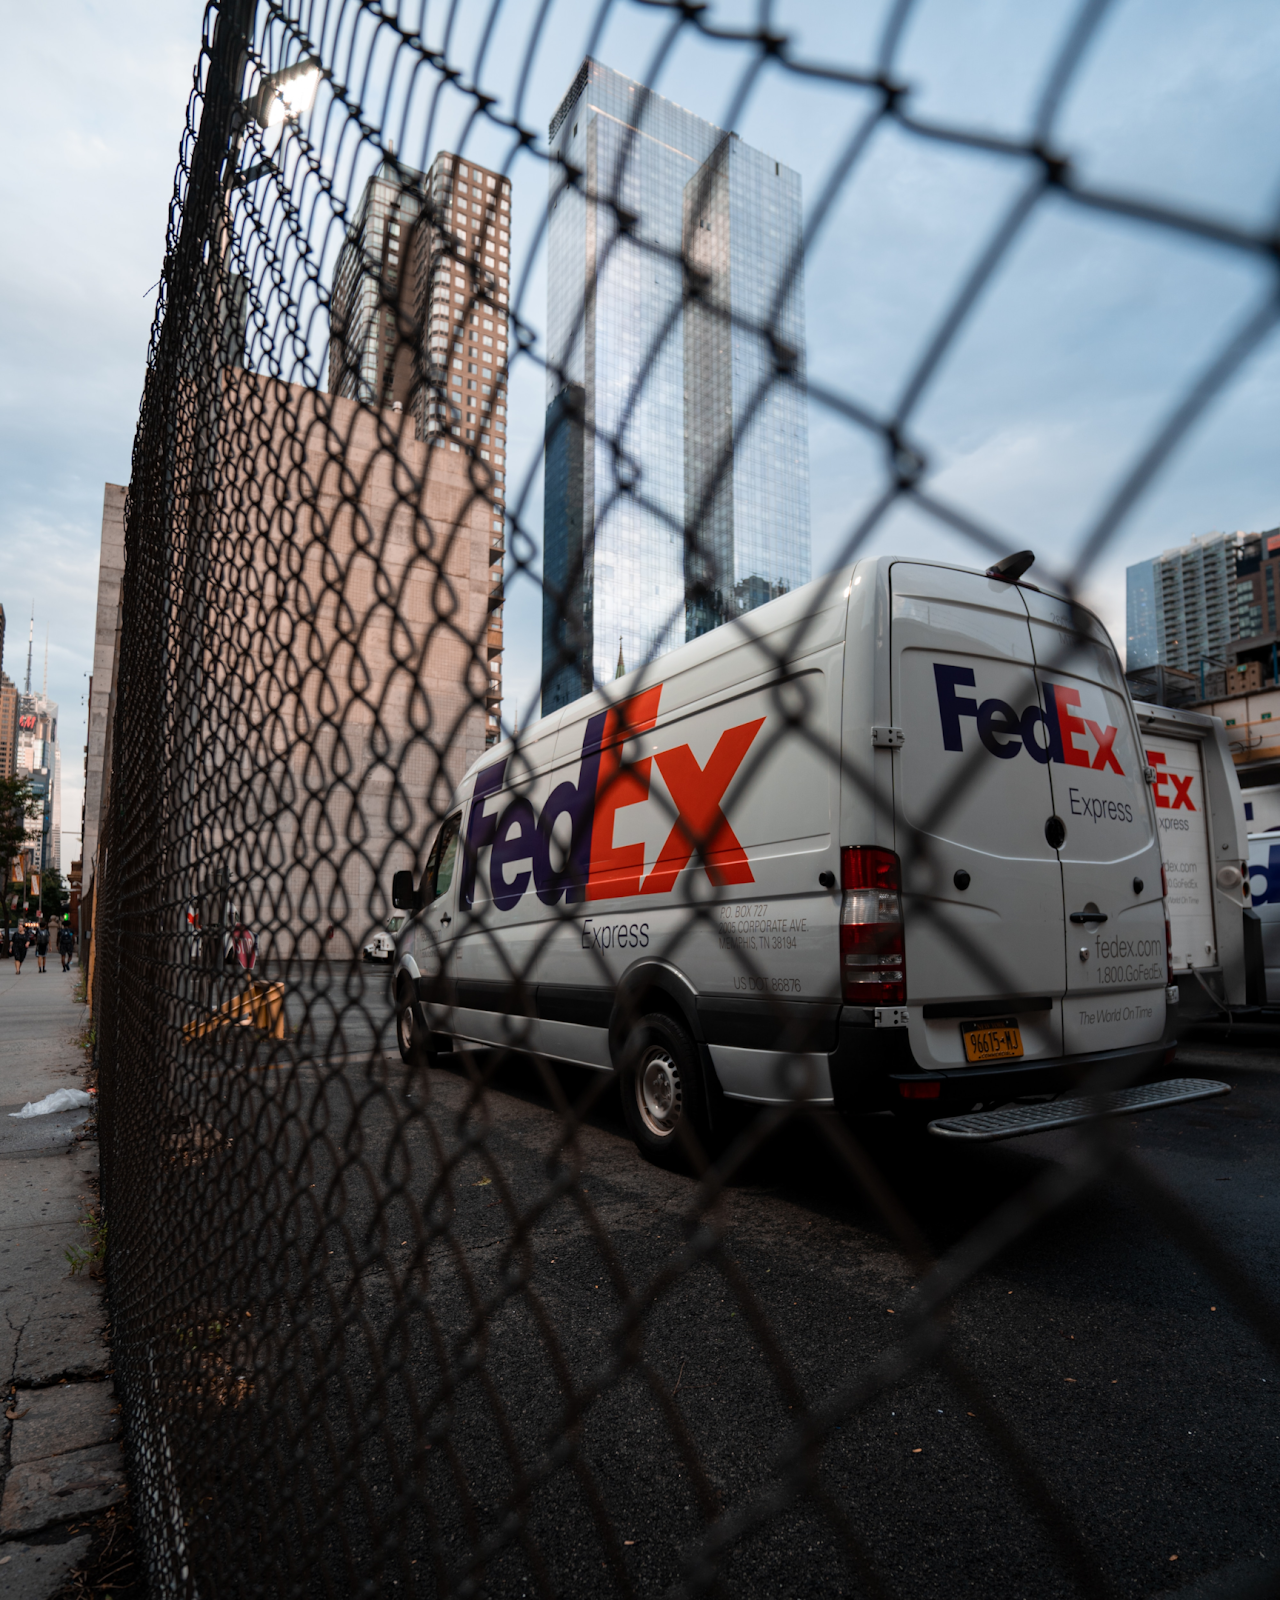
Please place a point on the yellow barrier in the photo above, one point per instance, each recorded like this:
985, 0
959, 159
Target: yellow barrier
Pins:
261, 1006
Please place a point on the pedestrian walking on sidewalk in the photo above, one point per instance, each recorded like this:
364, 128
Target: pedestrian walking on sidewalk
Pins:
42, 945
66, 944
18, 944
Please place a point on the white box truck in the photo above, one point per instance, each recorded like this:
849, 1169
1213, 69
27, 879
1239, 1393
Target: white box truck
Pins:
1201, 826
1264, 887
1262, 808
886, 842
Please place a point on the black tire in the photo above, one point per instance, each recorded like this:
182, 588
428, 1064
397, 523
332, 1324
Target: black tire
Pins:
664, 1096
418, 1047
409, 1032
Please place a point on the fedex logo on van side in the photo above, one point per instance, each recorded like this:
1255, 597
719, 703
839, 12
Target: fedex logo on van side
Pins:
1005, 731
595, 868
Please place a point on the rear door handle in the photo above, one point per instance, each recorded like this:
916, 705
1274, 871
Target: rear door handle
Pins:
447, 918
1088, 916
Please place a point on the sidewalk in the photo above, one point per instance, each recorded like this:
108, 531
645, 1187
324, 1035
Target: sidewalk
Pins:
59, 1457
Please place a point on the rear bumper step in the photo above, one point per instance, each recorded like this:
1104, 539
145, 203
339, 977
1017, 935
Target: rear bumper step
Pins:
1011, 1121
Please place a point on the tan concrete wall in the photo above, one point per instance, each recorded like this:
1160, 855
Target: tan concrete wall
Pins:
346, 662
105, 638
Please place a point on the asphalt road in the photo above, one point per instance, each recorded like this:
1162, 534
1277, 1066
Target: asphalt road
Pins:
413, 1370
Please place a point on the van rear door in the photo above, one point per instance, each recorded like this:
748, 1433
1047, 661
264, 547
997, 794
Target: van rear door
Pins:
1116, 962
1182, 818
982, 888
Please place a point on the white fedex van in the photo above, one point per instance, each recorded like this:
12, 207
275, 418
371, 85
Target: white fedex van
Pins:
885, 842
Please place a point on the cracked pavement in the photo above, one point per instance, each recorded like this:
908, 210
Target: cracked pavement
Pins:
59, 1453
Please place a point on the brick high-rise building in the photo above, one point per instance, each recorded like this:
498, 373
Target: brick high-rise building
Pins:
375, 352
1257, 583
8, 714
419, 321
8, 726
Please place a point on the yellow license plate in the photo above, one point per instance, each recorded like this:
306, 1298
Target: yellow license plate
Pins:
991, 1041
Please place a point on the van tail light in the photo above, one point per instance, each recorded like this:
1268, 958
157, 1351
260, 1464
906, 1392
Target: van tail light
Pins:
873, 966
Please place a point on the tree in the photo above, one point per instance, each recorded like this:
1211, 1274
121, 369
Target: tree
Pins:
54, 894
18, 802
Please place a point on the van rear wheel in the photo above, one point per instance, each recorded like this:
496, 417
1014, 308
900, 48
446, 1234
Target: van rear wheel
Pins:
663, 1098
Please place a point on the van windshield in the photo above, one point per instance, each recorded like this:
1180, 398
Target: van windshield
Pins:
448, 855
439, 869
394, 924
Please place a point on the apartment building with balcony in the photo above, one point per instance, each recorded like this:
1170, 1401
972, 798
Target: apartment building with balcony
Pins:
419, 326
1185, 606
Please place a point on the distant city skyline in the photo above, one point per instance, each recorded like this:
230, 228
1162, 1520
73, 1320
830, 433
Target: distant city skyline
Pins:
29, 745
39, 756
713, 446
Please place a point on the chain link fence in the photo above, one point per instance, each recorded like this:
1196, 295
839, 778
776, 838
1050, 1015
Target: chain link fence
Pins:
396, 1306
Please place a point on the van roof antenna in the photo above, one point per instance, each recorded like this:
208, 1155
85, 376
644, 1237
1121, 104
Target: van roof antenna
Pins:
1012, 567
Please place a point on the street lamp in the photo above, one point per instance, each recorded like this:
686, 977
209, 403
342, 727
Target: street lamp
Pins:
280, 98
284, 96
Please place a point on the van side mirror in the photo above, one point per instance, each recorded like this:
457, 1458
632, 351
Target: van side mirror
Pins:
402, 896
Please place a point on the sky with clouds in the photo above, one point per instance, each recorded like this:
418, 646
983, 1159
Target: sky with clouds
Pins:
1088, 334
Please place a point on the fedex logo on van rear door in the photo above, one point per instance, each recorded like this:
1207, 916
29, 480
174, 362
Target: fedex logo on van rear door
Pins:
1181, 785
1005, 731
519, 838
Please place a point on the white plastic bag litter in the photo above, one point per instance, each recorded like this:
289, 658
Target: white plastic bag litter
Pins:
59, 1100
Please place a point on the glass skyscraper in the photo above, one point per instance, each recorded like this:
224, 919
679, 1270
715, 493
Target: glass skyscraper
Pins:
1142, 617
677, 457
